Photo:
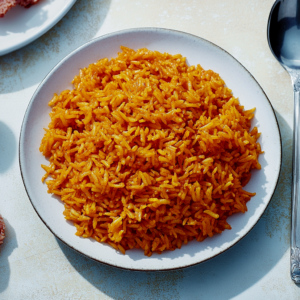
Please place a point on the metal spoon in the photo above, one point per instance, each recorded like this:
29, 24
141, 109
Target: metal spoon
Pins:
284, 42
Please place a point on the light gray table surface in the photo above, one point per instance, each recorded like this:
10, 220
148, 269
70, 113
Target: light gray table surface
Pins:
35, 265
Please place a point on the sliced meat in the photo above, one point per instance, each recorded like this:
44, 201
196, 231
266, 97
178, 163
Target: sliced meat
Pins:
28, 3
6, 5
2, 230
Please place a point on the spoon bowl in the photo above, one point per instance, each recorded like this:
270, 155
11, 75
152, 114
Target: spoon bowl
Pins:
284, 33
284, 41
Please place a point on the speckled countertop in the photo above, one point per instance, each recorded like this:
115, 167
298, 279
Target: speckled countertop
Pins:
35, 265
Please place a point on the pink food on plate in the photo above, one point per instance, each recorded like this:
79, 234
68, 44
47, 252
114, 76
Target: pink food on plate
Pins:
6, 5
2, 230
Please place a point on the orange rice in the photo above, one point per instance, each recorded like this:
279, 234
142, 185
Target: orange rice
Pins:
147, 152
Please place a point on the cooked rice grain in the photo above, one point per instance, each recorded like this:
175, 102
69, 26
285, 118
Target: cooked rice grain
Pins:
147, 152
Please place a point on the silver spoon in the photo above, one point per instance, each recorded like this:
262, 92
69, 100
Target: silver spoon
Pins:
284, 42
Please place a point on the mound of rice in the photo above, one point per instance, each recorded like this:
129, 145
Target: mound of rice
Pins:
147, 152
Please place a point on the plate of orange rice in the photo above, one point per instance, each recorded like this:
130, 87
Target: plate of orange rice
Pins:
150, 149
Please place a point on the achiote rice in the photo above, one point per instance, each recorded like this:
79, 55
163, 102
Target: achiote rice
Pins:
147, 152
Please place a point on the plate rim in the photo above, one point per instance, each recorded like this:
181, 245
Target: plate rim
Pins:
39, 33
150, 29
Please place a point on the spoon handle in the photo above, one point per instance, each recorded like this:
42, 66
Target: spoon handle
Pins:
295, 229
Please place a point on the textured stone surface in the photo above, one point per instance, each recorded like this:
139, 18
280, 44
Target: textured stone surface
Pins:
35, 265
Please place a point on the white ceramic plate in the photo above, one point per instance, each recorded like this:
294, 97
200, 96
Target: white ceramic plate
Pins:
197, 51
21, 26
